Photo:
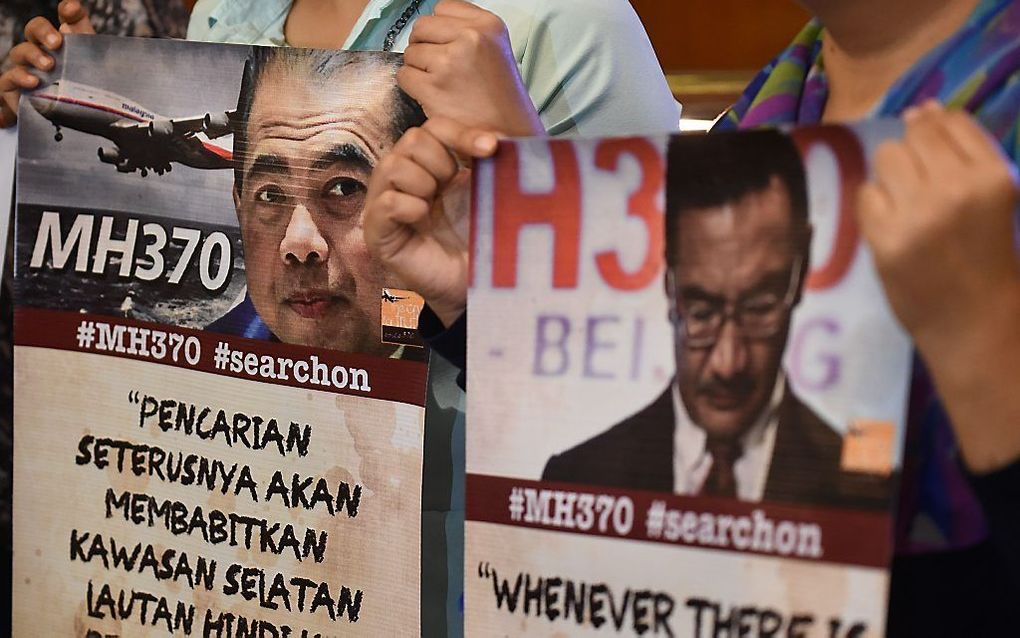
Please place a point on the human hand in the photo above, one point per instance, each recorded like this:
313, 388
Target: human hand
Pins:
416, 212
939, 217
460, 65
41, 40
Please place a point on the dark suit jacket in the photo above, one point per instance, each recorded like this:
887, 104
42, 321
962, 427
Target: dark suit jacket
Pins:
244, 321
805, 468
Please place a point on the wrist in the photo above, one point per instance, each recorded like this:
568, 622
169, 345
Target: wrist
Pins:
447, 311
966, 343
975, 371
522, 122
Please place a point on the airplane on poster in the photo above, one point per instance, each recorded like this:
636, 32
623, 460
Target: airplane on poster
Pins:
390, 297
143, 140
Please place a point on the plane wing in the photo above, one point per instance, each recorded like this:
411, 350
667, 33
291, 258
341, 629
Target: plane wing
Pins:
154, 145
213, 125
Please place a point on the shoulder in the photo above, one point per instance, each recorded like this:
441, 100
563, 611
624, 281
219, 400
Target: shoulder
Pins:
238, 21
588, 65
199, 24
242, 321
816, 448
583, 14
611, 457
570, 23
814, 430
807, 449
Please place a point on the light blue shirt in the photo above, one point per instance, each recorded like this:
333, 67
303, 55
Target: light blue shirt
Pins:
587, 64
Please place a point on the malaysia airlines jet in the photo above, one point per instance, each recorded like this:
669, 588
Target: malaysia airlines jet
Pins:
143, 140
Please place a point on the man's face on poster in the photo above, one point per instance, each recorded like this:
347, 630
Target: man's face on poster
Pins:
312, 145
735, 280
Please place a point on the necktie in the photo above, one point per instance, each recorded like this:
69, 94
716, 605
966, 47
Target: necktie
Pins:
721, 481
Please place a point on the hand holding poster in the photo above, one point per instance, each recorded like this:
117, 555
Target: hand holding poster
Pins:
219, 408
687, 393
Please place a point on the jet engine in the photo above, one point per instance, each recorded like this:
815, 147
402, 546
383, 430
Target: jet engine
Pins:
216, 125
163, 129
109, 155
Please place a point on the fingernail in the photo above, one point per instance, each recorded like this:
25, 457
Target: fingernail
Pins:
53, 40
911, 114
44, 61
486, 143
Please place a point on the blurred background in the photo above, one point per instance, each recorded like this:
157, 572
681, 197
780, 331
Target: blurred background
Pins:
707, 78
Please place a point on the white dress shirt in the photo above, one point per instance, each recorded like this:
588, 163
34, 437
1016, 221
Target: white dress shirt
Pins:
692, 461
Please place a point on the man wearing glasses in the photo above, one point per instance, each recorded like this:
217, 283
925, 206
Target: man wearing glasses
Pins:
729, 425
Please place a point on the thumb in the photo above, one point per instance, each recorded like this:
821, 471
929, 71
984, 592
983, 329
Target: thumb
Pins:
876, 216
74, 18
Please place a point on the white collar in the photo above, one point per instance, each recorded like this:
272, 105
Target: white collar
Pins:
691, 460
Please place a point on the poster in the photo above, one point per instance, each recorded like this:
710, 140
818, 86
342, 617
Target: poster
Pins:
687, 390
219, 419
8, 152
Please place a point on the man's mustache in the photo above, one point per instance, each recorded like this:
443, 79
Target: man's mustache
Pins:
308, 277
741, 385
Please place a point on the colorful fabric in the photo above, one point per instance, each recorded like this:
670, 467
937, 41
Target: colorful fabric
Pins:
978, 69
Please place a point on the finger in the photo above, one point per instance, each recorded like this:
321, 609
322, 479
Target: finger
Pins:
437, 29
407, 176
935, 153
8, 117
417, 84
17, 79
898, 173
39, 31
971, 137
74, 18
875, 213
423, 55
428, 152
388, 218
31, 54
463, 140
457, 9
401, 209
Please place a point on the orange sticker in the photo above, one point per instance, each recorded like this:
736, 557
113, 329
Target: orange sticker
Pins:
400, 310
868, 447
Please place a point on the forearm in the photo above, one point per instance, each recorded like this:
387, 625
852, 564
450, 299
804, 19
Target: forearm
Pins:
977, 374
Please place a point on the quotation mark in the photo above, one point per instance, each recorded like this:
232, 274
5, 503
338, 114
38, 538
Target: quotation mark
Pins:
86, 334
485, 570
221, 356
516, 503
656, 519
134, 396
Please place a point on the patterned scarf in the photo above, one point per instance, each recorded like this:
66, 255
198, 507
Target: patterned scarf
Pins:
978, 69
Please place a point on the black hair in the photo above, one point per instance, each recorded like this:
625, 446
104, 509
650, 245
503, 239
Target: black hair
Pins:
406, 113
711, 170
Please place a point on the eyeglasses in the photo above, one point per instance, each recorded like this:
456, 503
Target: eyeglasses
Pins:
759, 316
